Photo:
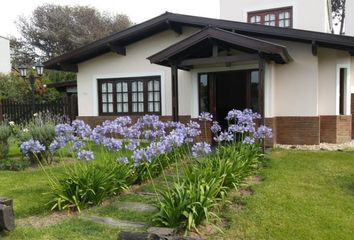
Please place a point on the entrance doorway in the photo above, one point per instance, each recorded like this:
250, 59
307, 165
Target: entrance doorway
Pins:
219, 92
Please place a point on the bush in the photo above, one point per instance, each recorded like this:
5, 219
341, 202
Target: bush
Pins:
5, 133
14, 165
88, 184
41, 128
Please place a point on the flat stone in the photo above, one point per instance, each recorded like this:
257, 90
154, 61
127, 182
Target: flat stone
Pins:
148, 194
136, 206
122, 224
161, 231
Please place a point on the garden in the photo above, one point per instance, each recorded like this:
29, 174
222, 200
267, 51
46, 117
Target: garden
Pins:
68, 180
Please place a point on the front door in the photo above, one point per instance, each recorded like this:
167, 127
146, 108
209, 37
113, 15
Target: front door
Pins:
219, 92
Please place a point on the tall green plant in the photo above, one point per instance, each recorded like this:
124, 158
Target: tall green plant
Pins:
5, 133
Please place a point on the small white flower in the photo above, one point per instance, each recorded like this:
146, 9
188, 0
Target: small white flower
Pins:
12, 123
35, 114
25, 130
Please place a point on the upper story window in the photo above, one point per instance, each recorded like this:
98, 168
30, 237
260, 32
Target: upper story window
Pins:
280, 17
129, 96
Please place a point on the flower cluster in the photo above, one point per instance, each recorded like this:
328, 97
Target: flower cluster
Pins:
200, 149
32, 146
85, 155
242, 127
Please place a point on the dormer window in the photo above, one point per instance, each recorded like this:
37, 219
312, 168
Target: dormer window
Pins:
280, 17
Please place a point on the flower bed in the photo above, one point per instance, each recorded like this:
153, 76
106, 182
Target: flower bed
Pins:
118, 153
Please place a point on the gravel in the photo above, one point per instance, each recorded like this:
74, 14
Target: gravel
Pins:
321, 146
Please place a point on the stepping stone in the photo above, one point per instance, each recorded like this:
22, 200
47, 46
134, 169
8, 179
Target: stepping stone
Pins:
122, 224
136, 206
148, 194
162, 231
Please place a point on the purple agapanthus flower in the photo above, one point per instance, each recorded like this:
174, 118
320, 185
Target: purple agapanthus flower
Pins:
112, 144
215, 128
132, 145
201, 148
123, 160
248, 140
205, 116
263, 132
32, 146
77, 145
85, 155
224, 136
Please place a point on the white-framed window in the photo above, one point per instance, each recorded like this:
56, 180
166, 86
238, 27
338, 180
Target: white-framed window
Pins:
343, 90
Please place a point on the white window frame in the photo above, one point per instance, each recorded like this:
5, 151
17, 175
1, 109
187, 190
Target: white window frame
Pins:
347, 89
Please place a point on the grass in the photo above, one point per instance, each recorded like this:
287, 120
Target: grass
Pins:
305, 195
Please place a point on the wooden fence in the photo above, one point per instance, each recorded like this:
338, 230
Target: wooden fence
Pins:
20, 112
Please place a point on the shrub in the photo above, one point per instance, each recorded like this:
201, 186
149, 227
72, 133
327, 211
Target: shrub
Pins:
88, 184
14, 165
5, 133
41, 128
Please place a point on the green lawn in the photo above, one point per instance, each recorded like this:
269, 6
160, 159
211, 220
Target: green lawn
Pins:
304, 195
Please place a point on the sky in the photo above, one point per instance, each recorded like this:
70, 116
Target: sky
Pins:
137, 10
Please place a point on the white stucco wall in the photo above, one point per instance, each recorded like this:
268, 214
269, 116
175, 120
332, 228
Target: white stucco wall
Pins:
308, 15
349, 18
5, 64
134, 64
296, 83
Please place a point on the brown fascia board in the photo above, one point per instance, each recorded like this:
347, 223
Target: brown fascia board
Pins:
100, 46
229, 37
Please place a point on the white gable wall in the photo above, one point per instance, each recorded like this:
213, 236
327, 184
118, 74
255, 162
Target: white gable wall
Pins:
349, 18
5, 64
134, 64
307, 14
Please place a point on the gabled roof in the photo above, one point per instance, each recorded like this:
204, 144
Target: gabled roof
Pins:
211, 35
119, 40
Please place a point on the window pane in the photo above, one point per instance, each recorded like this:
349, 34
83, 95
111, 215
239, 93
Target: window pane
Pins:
150, 85
125, 97
110, 97
157, 85
110, 107
281, 23
134, 87
134, 97
287, 23
141, 107
203, 93
157, 96
140, 86
125, 107
125, 87
135, 107
104, 97
119, 97
157, 107
109, 87
151, 96
119, 87
104, 108
151, 107
119, 107
141, 97
104, 87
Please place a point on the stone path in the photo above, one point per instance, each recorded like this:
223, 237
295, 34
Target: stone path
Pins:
137, 207
122, 224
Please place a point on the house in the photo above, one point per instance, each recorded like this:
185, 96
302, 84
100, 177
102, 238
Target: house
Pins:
275, 57
5, 63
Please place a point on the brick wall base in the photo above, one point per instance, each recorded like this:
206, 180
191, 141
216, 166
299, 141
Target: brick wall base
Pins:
336, 129
297, 130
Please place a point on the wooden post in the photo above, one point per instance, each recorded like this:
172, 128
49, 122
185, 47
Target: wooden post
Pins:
261, 72
174, 76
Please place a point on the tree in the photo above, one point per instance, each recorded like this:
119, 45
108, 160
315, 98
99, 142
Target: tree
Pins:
54, 30
338, 13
